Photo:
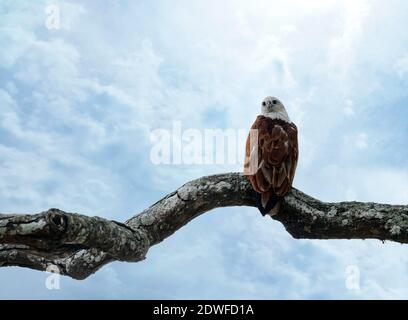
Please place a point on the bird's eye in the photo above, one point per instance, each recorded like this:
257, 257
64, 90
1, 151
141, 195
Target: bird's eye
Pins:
264, 103
274, 101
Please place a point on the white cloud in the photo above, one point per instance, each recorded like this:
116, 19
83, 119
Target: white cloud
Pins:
401, 66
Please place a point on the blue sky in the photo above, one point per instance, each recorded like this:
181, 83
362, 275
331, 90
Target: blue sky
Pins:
78, 104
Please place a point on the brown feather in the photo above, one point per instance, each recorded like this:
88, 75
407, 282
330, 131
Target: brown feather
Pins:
277, 152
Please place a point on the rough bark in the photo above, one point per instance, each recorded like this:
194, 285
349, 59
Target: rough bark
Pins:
79, 245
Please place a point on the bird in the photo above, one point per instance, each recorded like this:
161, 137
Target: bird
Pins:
271, 155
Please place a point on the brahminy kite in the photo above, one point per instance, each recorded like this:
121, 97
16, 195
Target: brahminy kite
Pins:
271, 155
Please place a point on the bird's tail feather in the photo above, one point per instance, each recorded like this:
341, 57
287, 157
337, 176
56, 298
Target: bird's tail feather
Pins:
268, 203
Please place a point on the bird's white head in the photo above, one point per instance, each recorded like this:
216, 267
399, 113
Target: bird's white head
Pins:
273, 108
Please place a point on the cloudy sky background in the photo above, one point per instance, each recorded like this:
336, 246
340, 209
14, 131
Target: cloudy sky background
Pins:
78, 104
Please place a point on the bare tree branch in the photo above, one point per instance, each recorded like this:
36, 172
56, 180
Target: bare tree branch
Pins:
79, 245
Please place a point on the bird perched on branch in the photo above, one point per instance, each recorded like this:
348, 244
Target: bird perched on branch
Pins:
271, 155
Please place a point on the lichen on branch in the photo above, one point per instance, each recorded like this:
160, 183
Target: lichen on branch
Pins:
79, 245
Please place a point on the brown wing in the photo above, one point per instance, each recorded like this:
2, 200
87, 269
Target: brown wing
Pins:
271, 163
